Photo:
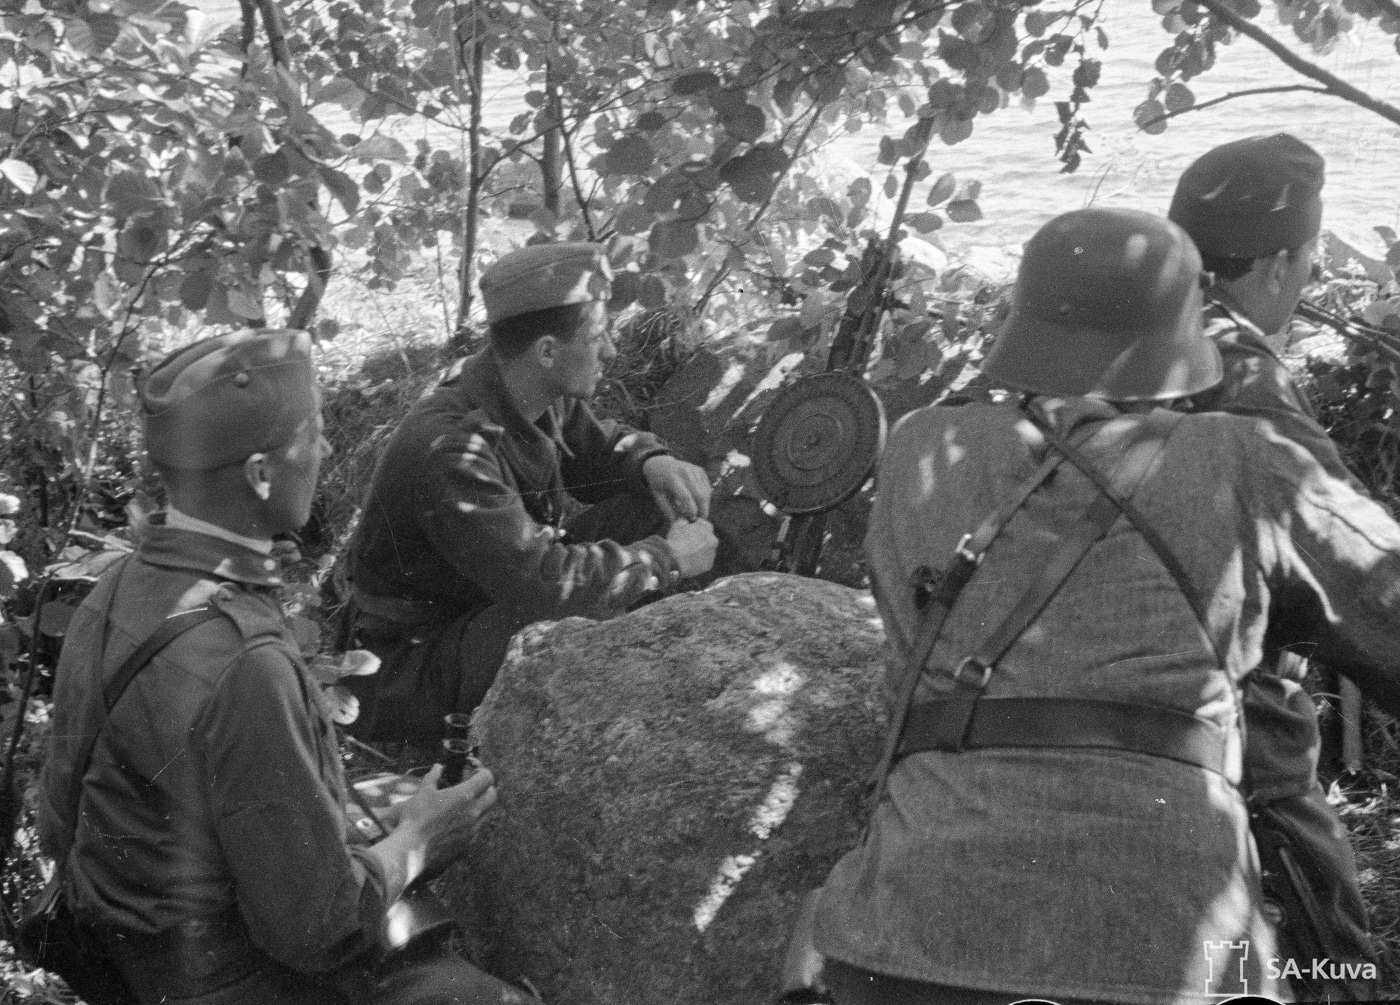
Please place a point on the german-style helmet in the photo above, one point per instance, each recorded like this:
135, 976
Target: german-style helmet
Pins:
1107, 305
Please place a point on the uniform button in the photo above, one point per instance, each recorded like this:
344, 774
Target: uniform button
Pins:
241, 380
269, 564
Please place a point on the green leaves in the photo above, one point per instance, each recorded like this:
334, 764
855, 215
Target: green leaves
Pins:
964, 211
12, 572
674, 238
132, 194
942, 189
699, 82
744, 122
1178, 97
342, 187
1148, 117
753, 175
20, 175
629, 155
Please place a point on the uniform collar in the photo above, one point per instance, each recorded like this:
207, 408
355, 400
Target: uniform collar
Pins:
1222, 303
177, 520
481, 382
196, 551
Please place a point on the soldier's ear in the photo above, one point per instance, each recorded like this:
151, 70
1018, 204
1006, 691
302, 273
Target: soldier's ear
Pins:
258, 474
1276, 270
545, 350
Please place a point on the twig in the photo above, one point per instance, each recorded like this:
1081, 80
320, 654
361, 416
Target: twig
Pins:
566, 137
1334, 84
1231, 96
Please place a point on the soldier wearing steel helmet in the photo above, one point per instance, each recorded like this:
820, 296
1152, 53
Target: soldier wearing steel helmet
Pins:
1253, 207
1063, 818
472, 526
202, 835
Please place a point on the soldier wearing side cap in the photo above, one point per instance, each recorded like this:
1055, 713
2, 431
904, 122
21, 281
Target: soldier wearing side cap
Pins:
471, 527
202, 835
1253, 207
1063, 818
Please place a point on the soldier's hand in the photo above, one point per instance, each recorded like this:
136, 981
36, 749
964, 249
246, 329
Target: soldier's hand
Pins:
693, 543
447, 819
680, 489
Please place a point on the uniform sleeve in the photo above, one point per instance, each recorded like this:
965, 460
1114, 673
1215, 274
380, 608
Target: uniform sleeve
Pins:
605, 457
1258, 386
306, 898
1331, 557
476, 520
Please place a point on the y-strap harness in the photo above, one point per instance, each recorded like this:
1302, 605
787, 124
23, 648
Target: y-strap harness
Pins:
964, 719
169, 630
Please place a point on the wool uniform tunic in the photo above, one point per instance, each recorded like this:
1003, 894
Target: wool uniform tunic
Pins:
1093, 873
215, 784
1283, 739
467, 502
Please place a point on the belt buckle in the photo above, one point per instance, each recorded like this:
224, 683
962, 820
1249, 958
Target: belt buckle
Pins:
977, 681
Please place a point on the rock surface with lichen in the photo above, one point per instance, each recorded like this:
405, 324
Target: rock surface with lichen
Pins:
672, 782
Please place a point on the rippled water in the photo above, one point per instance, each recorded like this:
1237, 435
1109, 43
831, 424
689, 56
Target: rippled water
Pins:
1012, 151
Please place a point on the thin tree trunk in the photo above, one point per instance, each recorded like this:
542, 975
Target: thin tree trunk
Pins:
461, 339
551, 167
276, 37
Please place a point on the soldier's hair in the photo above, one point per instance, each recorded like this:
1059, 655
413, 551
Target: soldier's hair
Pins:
511, 337
1227, 270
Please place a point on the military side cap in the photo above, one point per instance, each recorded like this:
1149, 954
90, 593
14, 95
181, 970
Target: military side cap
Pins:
545, 275
1107, 304
220, 400
1252, 197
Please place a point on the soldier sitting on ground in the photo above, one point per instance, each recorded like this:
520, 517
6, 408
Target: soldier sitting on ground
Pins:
205, 840
471, 527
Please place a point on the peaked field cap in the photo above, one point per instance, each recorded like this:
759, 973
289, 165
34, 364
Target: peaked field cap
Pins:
1107, 305
545, 275
220, 400
1251, 197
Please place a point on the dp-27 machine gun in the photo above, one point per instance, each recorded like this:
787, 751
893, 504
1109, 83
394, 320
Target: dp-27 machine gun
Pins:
820, 436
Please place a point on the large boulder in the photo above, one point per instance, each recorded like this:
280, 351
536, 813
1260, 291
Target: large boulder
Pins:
672, 782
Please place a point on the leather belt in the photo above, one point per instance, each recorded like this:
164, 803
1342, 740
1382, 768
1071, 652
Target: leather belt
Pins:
1066, 722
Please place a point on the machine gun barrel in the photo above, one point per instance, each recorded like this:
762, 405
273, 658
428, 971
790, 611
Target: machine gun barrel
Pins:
798, 547
1386, 342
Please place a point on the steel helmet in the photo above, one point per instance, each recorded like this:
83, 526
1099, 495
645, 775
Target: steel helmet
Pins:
1107, 305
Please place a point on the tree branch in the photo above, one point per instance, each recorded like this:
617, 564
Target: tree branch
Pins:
1232, 95
566, 135
1334, 84
276, 37
470, 216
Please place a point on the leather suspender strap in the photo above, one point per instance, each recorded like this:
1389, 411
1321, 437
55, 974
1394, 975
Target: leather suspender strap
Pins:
938, 597
952, 725
1154, 540
173, 627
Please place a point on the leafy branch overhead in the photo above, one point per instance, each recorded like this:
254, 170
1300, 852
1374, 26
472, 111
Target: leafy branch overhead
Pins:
156, 182
1200, 26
